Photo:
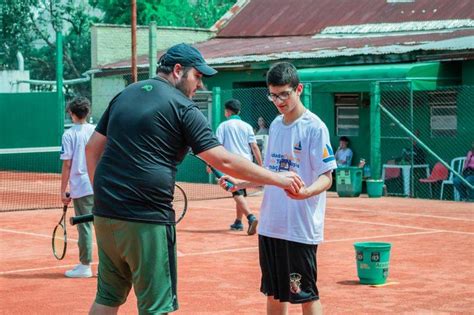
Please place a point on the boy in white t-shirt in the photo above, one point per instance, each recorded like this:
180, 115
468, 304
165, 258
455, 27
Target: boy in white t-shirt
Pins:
74, 172
238, 137
291, 226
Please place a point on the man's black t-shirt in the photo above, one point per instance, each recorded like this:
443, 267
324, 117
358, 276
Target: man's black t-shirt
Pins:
149, 127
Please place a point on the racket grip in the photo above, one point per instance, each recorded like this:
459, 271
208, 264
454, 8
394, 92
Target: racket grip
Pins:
219, 174
81, 219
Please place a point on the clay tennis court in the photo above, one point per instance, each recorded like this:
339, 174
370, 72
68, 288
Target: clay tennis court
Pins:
431, 268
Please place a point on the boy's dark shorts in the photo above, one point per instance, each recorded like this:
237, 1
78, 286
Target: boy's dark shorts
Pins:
240, 192
289, 271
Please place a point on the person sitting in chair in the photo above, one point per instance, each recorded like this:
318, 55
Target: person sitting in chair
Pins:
344, 153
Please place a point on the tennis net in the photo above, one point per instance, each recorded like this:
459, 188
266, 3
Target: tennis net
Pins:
30, 179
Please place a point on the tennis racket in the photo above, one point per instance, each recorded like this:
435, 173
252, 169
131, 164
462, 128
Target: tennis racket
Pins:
59, 240
216, 173
179, 204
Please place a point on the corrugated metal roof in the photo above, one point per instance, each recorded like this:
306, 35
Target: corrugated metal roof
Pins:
219, 51
387, 29
261, 18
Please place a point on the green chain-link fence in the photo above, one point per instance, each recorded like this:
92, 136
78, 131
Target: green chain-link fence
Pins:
425, 136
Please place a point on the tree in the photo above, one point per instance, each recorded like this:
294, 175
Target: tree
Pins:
191, 13
30, 26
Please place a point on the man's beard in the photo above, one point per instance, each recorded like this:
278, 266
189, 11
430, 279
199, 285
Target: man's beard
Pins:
181, 85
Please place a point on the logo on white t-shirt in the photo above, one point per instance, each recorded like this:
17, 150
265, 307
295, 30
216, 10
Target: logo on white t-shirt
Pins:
298, 147
328, 154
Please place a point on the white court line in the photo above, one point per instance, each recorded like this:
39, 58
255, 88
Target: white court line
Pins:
233, 250
400, 226
400, 213
229, 250
381, 236
34, 234
38, 269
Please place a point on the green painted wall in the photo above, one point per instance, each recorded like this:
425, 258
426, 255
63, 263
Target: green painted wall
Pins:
468, 72
30, 120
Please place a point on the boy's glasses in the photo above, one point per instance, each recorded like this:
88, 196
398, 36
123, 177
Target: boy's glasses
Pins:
283, 96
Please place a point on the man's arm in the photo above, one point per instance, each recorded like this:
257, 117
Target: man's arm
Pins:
256, 153
239, 167
323, 183
94, 149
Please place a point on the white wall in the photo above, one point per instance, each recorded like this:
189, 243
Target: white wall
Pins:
112, 43
103, 90
7, 76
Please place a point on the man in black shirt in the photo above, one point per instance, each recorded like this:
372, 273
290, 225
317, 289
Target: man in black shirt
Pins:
132, 160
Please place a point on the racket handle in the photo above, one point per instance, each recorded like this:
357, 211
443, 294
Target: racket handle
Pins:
81, 219
219, 174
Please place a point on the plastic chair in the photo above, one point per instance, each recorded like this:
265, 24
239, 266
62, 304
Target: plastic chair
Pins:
391, 173
457, 164
439, 173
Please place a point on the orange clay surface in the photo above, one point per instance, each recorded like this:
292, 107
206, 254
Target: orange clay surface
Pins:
431, 268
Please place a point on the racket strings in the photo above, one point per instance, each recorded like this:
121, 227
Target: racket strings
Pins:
59, 241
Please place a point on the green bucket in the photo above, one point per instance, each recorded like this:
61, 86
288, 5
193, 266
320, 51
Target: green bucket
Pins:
375, 188
372, 260
348, 181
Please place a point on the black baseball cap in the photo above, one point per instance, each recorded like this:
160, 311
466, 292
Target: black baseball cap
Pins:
233, 104
186, 56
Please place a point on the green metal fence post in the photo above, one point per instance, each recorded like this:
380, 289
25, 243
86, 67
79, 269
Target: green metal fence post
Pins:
307, 93
152, 49
59, 82
375, 143
216, 108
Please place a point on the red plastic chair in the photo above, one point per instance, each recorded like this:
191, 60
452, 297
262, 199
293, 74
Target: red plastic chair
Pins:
392, 172
439, 173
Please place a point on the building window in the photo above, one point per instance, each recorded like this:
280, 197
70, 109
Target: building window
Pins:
443, 113
347, 114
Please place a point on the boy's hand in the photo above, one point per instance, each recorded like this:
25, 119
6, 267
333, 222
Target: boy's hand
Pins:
302, 194
65, 198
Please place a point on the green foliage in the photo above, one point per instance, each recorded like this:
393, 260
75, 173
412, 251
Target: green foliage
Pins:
29, 26
197, 13
13, 31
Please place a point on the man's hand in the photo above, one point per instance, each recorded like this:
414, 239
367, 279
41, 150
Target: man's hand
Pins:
291, 182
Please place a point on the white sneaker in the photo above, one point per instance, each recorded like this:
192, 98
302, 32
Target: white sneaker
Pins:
80, 271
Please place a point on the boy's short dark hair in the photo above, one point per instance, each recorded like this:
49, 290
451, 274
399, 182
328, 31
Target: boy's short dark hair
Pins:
344, 138
233, 105
283, 73
79, 106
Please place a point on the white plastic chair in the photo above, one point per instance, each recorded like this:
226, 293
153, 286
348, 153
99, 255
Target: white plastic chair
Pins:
457, 165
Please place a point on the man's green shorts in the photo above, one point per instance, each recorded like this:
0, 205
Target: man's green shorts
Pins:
138, 254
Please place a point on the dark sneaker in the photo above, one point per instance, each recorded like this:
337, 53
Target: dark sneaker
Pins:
237, 226
253, 222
